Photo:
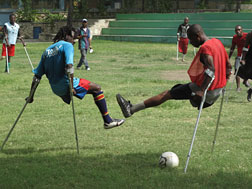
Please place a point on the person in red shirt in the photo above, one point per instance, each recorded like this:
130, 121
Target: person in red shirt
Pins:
245, 71
182, 37
239, 41
211, 61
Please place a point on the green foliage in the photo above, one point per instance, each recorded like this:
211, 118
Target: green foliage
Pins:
159, 6
27, 13
50, 17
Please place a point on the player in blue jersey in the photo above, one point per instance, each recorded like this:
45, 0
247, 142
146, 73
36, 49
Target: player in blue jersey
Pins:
56, 62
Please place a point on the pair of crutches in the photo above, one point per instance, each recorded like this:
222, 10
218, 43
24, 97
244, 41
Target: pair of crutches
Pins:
197, 122
28, 100
7, 58
194, 50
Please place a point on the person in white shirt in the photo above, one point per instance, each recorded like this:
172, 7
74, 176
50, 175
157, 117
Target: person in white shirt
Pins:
11, 34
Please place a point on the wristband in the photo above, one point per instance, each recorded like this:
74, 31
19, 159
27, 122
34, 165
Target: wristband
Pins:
70, 70
244, 49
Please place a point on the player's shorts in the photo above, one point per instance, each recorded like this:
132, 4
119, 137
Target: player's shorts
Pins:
237, 63
183, 45
185, 91
245, 71
10, 49
81, 90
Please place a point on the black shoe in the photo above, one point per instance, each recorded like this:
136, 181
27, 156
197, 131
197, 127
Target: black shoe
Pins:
113, 123
249, 94
124, 105
246, 83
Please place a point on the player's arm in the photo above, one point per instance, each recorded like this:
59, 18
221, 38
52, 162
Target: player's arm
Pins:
232, 48
178, 32
246, 47
70, 72
21, 38
228, 69
207, 60
35, 82
5, 32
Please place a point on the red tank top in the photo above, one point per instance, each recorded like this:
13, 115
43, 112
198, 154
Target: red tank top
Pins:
214, 48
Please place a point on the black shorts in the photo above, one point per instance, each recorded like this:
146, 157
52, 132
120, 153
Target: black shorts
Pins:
184, 92
245, 71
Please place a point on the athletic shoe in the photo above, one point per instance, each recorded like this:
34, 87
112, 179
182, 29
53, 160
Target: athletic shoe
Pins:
124, 105
238, 89
246, 83
249, 94
114, 123
88, 69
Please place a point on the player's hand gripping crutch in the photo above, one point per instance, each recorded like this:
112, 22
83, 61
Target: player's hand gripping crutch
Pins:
218, 120
29, 99
75, 127
197, 122
28, 57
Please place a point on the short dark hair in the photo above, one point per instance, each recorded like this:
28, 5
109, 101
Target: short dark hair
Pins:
62, 33
12, 14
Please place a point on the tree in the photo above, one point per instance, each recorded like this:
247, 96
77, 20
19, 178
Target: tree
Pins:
238, 6
70, 13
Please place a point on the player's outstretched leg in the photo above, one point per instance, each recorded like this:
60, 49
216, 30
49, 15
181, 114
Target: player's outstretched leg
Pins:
124, 105
101, 104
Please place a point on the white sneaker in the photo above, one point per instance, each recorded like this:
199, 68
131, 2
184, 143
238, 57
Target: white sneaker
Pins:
114, 123
88, 69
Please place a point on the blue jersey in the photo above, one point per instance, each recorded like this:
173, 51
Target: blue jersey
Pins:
53, 63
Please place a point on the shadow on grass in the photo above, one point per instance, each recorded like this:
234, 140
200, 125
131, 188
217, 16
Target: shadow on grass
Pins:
107, 171
34, 150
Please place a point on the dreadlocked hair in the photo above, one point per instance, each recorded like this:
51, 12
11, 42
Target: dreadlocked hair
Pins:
62, 33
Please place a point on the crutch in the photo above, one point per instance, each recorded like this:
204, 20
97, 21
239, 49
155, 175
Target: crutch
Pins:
218, 120
7, 58
194, 51
75, 127
27, 101
233, 79
28, 58
196, 125
177, 48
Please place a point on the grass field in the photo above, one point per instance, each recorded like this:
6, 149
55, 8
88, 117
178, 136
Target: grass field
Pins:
41, 152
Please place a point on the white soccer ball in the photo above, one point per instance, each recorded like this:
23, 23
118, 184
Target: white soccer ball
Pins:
168, 159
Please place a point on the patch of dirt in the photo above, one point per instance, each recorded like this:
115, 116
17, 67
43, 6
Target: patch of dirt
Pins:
178, 75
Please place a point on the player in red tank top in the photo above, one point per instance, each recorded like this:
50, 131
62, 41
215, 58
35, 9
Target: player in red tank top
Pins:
239, 41
210, 62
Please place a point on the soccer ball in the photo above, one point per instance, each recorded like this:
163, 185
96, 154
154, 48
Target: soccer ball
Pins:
168, 159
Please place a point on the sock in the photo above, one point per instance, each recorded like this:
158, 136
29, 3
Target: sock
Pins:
101, 104
137, 107
8, 66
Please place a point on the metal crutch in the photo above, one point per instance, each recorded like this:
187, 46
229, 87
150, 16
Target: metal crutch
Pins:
196, 125
218, 120
75, 127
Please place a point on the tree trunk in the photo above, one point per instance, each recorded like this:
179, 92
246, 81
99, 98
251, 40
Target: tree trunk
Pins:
70, 13
142, 5
177, 5
238, 5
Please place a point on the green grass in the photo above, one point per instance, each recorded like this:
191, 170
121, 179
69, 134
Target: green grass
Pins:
41, 152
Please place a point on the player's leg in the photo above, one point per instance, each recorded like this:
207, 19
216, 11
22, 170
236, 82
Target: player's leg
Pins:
100, 102
85, 60
81, 58
177, 92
